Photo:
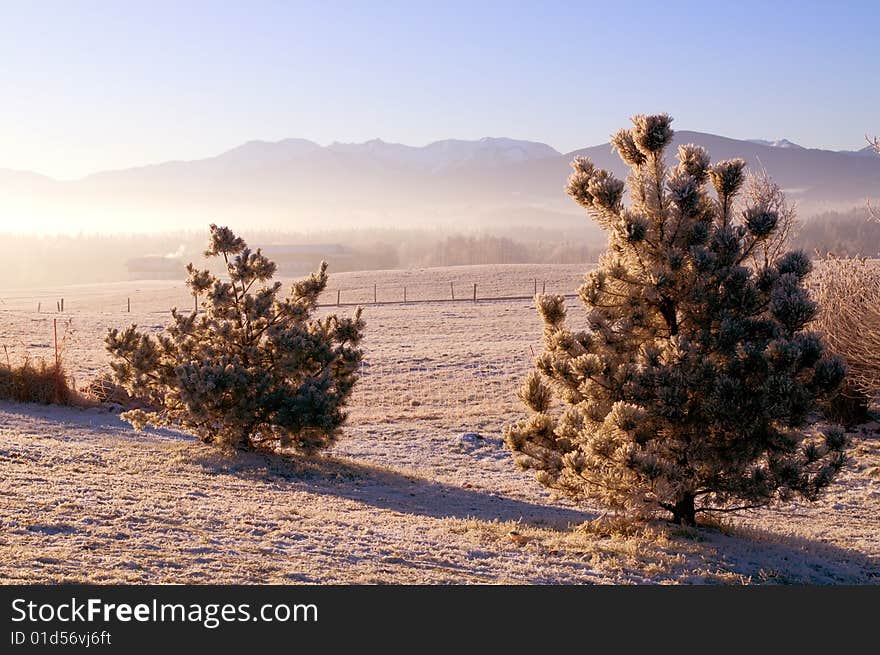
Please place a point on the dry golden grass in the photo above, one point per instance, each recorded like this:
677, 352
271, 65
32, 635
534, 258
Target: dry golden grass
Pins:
39, 382
848, 292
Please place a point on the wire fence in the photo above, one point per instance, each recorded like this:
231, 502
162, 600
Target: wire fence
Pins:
393, 292
452, 291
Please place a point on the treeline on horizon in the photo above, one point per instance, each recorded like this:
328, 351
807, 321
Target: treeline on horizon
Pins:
846, 234
92, 258
33, 261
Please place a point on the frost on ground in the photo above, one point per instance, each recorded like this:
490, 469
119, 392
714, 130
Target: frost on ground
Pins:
419, 490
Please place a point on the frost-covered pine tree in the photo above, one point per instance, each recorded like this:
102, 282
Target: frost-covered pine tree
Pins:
689, 390
255, 369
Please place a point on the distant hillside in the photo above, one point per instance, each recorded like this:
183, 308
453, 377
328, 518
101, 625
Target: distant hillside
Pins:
814, 178
296, 184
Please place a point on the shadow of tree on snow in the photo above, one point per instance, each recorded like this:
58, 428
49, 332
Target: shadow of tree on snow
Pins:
761, 556
387, 489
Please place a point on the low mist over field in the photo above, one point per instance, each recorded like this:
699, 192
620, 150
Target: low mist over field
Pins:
377, 205
40, 260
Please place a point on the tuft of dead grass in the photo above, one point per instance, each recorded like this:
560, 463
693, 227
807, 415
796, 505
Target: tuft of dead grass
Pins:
37, 382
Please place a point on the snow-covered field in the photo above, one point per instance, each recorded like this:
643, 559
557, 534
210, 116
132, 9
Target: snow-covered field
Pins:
409, 495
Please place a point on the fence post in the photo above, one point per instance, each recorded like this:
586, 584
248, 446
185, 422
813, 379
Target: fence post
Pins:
475, 292
543, 287
452, 290
338, 296
62, 304
129, 305
57, 361
39, 306
536, 286
196, 303
374, 294
404, 295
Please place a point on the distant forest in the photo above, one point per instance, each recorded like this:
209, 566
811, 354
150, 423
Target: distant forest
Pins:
845, 234
47, 260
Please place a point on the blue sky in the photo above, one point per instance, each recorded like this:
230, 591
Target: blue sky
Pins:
96, 85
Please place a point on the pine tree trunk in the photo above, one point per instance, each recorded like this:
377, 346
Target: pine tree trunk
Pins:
667, 310
684, 512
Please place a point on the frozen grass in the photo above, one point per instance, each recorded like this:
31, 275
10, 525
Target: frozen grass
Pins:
848, 292
35, 383
404, 497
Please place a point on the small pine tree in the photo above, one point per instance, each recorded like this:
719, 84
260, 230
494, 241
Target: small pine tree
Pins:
688, 390
254, 370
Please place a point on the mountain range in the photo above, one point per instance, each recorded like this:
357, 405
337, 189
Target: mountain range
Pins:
299, 185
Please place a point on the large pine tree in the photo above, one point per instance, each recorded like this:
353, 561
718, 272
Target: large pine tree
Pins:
690, 388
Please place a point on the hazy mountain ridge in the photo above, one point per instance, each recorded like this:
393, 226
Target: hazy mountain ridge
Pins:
811, 176
297, 184
434, 157
451, 153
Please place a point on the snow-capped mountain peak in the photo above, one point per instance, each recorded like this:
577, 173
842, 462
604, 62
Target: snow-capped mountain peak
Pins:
778, 143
